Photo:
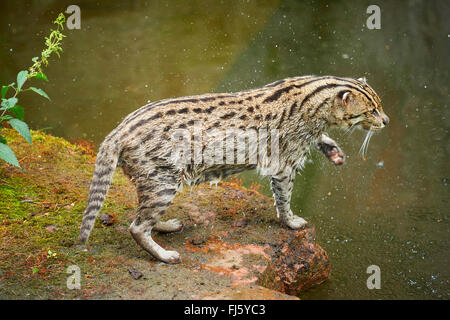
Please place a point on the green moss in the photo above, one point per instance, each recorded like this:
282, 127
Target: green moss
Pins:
15, 200
41, 206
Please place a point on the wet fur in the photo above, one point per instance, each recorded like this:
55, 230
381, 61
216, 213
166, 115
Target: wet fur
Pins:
301, 108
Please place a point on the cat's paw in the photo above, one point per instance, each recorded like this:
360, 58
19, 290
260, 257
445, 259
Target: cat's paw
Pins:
295, 222
170, 257
336, 156
172, 225
331, 150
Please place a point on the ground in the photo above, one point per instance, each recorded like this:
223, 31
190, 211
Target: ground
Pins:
232, 245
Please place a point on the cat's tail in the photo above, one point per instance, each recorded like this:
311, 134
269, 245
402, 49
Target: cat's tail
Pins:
105, 165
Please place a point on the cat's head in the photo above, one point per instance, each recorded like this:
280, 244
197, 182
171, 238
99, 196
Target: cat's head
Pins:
359, 105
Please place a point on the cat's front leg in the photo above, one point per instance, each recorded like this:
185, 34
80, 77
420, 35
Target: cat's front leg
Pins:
282, 184
331, 150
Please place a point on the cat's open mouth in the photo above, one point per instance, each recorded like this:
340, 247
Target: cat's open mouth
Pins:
370, 127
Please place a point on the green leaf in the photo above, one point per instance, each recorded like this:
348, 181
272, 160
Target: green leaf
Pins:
2, 140
22, 128
8, 103
8, 155
5, 118
40, 91
21, 78
41, 75
34, 59
4, 90
18, 112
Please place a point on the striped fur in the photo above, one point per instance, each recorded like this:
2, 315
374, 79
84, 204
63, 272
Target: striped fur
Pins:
301, 108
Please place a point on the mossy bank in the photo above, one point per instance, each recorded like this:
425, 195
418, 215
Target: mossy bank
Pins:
230, 236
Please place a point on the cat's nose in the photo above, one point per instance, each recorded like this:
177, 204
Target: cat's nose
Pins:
385, 120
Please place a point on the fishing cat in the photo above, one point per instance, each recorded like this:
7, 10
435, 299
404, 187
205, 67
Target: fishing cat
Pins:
296, 111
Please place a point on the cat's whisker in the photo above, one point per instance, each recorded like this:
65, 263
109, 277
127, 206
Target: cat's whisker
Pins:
350, 130
365, 144
368, 141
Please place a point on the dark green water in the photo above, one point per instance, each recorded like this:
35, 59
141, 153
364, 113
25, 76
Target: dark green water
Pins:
391, 210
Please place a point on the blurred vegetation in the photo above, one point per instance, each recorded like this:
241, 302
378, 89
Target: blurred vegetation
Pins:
11, 112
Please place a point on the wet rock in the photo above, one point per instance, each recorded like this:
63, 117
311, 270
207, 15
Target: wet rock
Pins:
298, 263
246, 293
257, 250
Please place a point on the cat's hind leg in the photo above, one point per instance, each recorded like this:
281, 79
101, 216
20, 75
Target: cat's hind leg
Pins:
155, 196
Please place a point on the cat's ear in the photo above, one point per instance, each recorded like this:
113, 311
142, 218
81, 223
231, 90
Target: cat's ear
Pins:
363, 80
344, 97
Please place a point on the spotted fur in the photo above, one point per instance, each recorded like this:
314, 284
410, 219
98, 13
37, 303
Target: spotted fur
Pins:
301, 108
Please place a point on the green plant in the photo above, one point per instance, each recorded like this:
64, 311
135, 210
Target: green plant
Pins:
51, 254
10, 111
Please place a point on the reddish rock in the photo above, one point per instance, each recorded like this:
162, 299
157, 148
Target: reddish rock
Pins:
246, 293
290, 262
298, 263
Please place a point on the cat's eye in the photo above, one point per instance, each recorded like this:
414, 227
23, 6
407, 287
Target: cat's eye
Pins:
375, 112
